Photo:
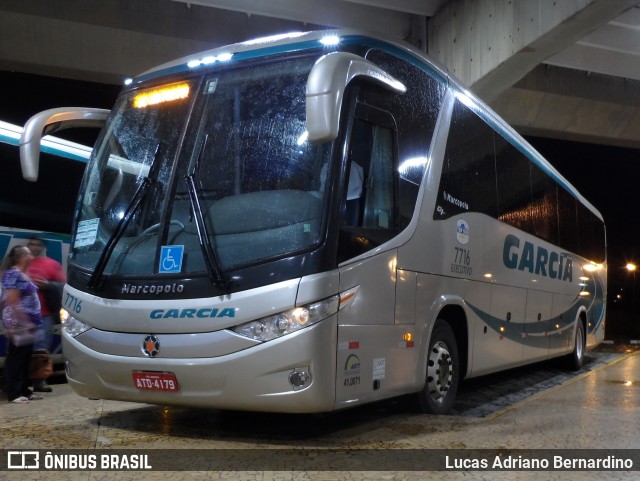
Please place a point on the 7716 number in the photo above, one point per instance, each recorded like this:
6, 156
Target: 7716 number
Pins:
72, 303
462, 256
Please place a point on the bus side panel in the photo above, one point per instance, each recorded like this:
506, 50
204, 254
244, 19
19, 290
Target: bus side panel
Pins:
374, 362
500, 333
562, 328
596, 311
538, 322
435, 292
375, 301
465, 253
516, 324
596, 324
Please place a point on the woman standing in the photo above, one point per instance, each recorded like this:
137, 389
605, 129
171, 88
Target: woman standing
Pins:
20, 315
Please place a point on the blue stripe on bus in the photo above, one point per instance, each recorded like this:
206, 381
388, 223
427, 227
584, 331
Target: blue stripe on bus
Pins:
5, 139
536, 333
62, 153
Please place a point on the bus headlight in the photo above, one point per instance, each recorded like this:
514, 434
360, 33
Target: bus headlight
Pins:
286, 322
74, 327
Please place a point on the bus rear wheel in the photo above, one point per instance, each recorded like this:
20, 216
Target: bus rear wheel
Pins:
575, 360
441, 385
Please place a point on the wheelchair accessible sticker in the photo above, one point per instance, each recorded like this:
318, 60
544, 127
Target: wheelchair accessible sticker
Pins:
171, 259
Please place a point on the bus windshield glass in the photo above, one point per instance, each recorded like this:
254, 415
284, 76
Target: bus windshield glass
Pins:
214, 170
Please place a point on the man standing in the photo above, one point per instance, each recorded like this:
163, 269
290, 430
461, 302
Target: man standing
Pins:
47, 274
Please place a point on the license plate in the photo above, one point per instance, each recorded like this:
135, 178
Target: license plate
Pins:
155, 381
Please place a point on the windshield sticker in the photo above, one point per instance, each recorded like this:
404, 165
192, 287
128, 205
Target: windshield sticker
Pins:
86, 233
171, 259
211, 86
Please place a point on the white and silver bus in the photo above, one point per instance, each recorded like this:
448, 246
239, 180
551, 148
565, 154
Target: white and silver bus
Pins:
314, 221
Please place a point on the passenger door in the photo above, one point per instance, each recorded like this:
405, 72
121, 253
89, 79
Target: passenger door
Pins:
368, 221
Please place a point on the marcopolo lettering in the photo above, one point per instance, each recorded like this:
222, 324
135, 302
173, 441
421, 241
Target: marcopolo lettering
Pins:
536, 259
152, 289
202, 313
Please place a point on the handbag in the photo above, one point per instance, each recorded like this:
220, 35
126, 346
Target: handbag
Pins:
20, 337
22, 333
40, 366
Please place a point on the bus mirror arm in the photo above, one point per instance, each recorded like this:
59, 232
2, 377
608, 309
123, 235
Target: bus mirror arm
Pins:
325, 88
49, 121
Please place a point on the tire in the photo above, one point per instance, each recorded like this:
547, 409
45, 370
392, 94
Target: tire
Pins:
441, 384
575, 360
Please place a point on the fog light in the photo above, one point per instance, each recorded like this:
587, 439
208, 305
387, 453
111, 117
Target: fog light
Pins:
299, 379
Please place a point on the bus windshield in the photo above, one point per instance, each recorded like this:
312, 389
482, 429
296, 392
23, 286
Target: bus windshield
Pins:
221, 159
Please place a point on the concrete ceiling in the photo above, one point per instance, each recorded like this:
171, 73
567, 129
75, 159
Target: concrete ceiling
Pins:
588, 91
578, 80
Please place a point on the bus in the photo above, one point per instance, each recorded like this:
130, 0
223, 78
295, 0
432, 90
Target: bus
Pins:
313, 221
42, 209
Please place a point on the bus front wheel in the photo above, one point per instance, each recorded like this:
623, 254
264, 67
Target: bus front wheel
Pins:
441, 385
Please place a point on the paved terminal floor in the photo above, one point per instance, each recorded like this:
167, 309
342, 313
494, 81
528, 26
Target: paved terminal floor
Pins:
599, 408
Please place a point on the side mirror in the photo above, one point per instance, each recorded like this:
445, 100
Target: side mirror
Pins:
47, 122
326, 84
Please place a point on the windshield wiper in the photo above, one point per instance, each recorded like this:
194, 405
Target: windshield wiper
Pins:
139, 195
206, 243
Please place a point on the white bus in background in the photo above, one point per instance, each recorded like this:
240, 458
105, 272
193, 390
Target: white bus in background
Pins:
28, 210
314, 221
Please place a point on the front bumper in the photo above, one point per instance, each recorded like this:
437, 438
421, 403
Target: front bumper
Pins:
255, 378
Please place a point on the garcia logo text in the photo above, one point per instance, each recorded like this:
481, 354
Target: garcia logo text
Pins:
525, 256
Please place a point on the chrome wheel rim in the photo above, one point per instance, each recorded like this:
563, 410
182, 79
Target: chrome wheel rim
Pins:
439, 371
